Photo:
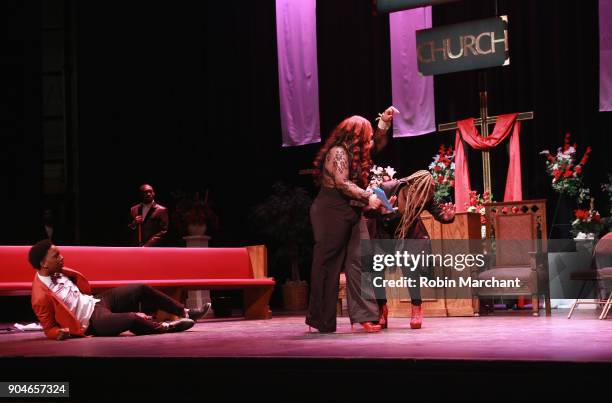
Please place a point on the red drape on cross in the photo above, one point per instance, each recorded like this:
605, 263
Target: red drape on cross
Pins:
466, 130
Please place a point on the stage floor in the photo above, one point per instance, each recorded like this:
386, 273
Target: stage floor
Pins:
504, 337
489, 358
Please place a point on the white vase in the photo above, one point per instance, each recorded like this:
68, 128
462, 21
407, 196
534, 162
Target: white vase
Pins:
585, 243
196, 241
196, 229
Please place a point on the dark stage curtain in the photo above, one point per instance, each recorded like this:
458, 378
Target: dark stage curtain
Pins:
553, 71
21, 165
186, 96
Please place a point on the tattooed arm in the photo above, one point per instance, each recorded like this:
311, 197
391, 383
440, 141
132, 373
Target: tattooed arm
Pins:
337, 172
380, 139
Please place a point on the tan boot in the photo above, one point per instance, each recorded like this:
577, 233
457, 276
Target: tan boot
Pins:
368, 327
383, 314
416, 318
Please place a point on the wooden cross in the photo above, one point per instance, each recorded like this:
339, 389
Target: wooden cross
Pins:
484, 121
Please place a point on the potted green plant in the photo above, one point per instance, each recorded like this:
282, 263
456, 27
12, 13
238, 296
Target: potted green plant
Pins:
283, 220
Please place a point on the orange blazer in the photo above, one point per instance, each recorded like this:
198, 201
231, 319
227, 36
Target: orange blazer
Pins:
52, 313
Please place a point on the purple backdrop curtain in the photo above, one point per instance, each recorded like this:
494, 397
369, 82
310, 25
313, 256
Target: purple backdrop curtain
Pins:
413, 94
605, 55
296, 34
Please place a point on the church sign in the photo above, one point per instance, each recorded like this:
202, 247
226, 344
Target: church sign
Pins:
466, 46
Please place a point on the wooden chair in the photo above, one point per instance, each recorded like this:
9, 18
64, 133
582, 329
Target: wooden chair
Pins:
517, 248
600, 273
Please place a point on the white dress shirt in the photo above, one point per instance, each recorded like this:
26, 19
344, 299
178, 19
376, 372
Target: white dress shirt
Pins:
145, 209
81, 305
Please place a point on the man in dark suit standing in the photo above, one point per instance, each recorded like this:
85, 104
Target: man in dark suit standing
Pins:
149, 219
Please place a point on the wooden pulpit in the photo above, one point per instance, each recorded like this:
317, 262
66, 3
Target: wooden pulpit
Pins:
439, 301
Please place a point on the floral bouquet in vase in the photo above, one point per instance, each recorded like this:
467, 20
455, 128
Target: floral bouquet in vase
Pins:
443, 171
566, 174
587, 225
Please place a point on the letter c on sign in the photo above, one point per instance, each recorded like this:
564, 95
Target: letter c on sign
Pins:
420, 56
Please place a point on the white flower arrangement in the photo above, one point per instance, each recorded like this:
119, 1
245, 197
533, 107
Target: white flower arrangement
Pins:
583, 235
378, 175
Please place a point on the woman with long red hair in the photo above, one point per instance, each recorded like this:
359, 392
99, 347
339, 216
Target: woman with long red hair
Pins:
342, 166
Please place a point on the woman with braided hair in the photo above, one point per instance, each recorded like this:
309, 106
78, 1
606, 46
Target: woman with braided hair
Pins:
415, 194
342, 166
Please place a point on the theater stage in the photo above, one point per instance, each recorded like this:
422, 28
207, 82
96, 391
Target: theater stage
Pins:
464, 356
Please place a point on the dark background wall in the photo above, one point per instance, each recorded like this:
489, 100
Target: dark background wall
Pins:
185, 96
20, 119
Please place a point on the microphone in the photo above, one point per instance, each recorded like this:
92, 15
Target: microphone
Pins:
140, 226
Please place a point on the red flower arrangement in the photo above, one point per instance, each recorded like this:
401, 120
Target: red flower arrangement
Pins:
192, 209
588, 224
476, 204
443, 171
566, 175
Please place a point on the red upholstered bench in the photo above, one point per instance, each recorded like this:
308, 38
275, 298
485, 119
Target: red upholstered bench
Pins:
197, 268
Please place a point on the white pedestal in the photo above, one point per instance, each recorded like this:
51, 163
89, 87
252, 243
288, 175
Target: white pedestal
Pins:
197, 298
560, 267
196, 241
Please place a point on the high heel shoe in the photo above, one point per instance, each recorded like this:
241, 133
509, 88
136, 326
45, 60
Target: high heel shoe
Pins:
312, 329
416, 319
383, 313
368, 327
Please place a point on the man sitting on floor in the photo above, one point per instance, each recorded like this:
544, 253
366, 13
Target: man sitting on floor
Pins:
62, 301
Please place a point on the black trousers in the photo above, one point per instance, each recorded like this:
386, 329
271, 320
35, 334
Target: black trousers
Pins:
415, 292
412, 246
338, 229
116, 311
